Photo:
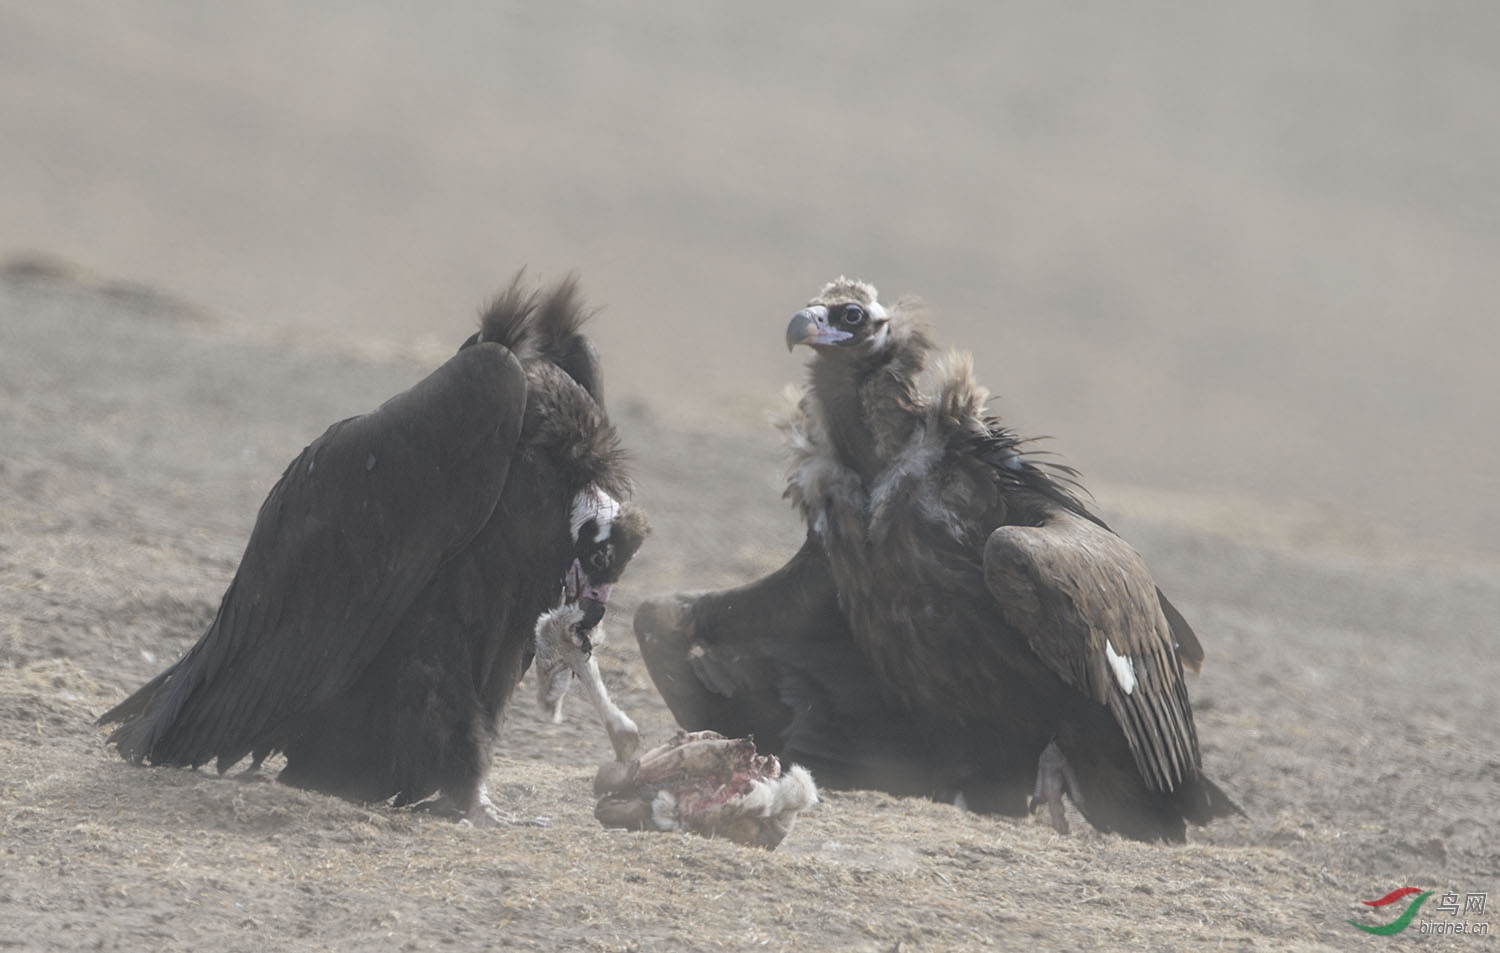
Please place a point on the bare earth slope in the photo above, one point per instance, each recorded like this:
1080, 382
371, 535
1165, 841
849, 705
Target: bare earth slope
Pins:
1348, 703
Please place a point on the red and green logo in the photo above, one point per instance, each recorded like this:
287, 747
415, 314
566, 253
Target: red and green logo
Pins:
1401, 922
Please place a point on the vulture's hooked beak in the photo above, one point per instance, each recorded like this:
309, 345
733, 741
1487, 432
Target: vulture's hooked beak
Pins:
590, 598
810, 326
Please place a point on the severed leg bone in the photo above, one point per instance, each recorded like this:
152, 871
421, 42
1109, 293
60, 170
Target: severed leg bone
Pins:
564, 653
700, 782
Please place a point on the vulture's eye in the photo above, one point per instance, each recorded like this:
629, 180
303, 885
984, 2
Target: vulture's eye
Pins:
853, 314
598, 562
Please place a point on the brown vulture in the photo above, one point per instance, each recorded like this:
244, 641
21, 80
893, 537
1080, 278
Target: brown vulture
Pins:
386, 603
956, 623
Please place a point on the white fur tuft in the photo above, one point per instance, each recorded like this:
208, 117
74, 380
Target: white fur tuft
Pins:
664, 811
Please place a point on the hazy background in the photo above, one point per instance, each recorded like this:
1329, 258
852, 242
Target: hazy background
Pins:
1242, 260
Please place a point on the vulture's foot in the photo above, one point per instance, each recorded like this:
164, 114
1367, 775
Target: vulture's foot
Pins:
1054, 776
253, 775
477, 810
706, 784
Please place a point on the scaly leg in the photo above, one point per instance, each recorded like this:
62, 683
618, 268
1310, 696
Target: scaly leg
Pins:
1053, 776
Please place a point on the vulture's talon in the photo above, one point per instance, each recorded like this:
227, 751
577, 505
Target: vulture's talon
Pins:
1054, 776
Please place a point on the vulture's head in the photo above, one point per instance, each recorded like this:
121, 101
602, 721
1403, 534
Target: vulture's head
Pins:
846, 318
606, 534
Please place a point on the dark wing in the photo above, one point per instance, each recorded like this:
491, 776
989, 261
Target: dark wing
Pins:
1002, 450
702, 650
1189, 649
355, 529
774, 660
1087, 607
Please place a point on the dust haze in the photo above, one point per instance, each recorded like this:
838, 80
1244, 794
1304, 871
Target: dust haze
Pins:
1236, 260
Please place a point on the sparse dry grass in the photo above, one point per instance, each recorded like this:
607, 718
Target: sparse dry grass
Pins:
1345, 723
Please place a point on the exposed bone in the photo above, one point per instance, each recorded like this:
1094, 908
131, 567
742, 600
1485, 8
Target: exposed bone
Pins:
563, 655
706, 784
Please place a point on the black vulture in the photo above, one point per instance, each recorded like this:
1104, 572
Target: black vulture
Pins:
956, 623
386, 603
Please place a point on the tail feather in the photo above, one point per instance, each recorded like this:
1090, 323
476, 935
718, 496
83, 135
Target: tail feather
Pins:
1202, 801
137, 717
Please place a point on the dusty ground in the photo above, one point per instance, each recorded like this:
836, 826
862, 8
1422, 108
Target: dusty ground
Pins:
1238, 258
1349, 704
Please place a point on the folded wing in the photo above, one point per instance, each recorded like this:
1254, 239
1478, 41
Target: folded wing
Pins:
354, 530
774, 660
1086, 605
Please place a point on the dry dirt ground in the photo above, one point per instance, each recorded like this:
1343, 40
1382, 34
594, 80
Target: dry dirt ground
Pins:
1238, 257
1348, 702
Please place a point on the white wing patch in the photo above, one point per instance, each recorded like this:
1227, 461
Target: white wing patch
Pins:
593, 503
1123, 668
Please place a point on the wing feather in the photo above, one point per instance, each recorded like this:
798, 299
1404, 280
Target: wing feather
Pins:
1080, 595
774, 659
356, 527
703, 650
